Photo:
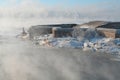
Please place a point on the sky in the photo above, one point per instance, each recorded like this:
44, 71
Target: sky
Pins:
36, 12
54, 2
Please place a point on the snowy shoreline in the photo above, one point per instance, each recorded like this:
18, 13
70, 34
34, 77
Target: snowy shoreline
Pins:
106, 45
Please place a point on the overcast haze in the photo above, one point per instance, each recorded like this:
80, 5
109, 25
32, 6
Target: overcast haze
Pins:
23, 60
24, 13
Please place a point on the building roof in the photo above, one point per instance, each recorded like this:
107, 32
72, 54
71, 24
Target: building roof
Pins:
92, 24
111, 25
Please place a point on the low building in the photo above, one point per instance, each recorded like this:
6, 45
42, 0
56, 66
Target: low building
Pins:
107, 29
109, 33
92, 24
62, 32
48, 29
110, 30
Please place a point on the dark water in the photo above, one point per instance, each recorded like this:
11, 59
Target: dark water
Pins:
21, 60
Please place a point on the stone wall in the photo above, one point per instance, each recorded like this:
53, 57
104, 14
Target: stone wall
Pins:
109, 33
62, 32
47, 29
37, 31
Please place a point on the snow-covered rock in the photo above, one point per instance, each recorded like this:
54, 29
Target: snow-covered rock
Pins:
106, 45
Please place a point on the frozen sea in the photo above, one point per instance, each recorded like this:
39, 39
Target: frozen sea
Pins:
21, 60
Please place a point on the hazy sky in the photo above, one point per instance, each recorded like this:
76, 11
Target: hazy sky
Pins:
33, 12
69, 3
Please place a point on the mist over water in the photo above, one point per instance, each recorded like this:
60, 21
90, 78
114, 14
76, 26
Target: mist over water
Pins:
22, 60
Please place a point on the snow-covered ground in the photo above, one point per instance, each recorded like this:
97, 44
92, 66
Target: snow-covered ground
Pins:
106, 45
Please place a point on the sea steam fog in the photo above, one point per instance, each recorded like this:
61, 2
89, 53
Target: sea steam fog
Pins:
22, 60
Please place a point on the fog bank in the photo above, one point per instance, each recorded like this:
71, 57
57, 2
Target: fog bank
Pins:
21, 60
25, 13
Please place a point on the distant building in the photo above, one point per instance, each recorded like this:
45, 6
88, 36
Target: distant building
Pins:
110, 30
109, 33
58, 30
62, 32
92, 24
107, 29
